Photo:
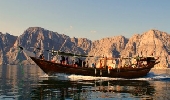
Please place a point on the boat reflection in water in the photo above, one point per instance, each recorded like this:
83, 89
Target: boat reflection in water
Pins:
54, 88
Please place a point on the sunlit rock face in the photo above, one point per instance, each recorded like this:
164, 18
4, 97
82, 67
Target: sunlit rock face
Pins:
6, 42
151, 42
36, 37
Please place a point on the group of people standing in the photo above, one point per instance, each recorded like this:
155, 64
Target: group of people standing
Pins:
75, 62
81, 63
64, 60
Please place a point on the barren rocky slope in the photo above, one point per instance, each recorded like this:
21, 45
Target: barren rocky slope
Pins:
153, 41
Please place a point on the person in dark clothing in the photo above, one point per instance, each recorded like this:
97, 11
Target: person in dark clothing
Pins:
84, 63
63, 60
67, 61
80, 62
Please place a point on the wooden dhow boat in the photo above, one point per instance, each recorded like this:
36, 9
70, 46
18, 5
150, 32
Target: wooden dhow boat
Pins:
140, 69
105, 67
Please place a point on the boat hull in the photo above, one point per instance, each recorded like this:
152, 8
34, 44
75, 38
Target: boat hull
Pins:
51, 68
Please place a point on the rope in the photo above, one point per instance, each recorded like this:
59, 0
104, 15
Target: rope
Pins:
63, 44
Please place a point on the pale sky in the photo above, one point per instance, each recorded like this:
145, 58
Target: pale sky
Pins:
92, 19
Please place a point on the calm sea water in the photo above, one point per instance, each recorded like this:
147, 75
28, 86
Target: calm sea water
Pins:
30, 83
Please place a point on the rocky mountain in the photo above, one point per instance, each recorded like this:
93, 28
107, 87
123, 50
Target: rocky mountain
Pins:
152, 42
6, 43
36, 37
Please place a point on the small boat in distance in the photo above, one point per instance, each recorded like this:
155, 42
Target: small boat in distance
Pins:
120, 70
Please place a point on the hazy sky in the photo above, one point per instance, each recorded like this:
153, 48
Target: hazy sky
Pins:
92, 19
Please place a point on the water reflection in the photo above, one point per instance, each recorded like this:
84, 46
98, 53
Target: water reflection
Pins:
15, 81
27, 83
92, 89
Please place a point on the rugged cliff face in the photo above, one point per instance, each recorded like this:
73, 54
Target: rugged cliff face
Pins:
36, 37
152, 42
6, 42
110, 47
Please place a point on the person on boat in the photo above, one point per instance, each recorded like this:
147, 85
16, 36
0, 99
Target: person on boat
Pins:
53, 59
63, 60
67, 62
84, 63
79, 62
87, 64
93, 65
42, 57
76, 63
73, 63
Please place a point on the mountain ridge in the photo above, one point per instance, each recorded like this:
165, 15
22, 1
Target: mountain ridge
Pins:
139, 44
